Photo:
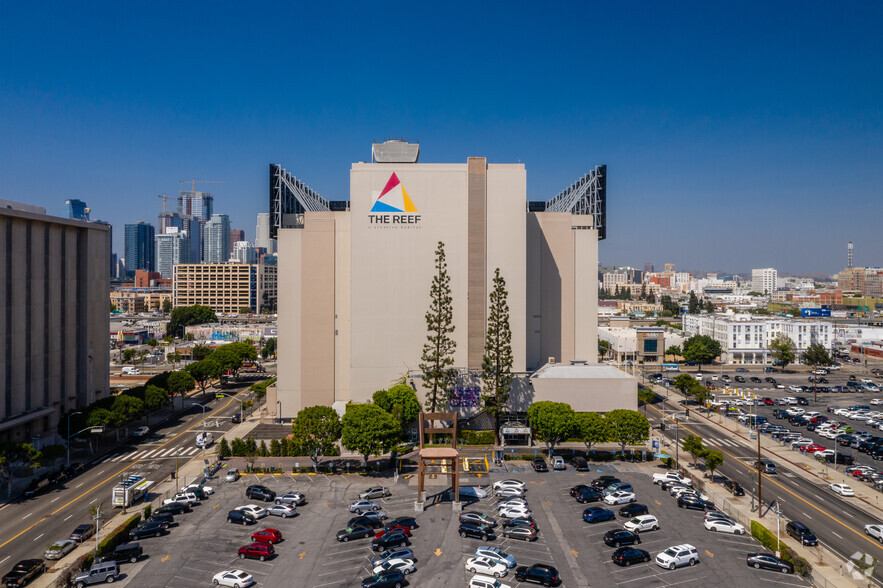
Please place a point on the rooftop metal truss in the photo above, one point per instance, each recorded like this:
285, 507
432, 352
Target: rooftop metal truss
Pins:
588, 195
288, 195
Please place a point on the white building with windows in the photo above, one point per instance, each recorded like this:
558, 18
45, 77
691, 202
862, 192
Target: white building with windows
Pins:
745, 338
765, 281
172, 247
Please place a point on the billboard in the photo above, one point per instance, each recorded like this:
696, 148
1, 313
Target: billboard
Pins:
815, 312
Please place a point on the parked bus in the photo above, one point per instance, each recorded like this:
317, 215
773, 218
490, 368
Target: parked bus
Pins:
671, 367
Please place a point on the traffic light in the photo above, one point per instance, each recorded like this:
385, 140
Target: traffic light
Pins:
662, 427
687, 412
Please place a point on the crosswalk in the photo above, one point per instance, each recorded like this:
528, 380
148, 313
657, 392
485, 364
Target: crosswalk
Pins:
161, 453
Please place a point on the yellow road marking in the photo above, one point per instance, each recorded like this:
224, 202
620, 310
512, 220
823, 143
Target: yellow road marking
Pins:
216, 506
302, 554
574, 552
708, 553
116, 475
438, 552
751, 469
165, 558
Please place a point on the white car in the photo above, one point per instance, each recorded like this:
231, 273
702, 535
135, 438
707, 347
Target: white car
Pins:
825, 453
875, 531
673, 477
495, 554
503, 483
59, 549
620, 498
405, 566
482, 565
141, 431
514, 501
515, 512
480, 581
724, 526
254, 510
188, 497
642, 523
793, 388
206, 489
841, 489
360, 506
234, 578
876, 401
677, 556
510, 491
282, 510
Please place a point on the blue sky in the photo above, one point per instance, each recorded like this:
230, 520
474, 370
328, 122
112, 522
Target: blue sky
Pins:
736, 135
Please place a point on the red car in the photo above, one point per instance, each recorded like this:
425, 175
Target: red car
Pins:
267, 536
768, 401
391, 529
261, 551
813, 448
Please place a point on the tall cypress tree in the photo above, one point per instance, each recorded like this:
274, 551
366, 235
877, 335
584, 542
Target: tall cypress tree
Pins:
438, 351
496, 365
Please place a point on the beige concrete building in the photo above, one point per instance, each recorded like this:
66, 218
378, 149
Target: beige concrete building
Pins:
225, 287
54, 320
355, 281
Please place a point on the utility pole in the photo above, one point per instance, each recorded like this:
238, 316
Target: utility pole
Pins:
759, 480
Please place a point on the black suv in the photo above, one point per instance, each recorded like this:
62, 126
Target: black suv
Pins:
260, 492
603, 481
174, 508
389, 579
539, 465
129, 552
482, 532
239, 517
734, 487
394, 539
538, 574
588, 495
803, 401
163, 517
148, 529
363, 521
580, 464
633, 510
620, 537
802, 533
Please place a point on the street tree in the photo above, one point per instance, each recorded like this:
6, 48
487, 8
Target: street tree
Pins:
184, 316
693, 305
369, 430
683, 383
180, 383
167, 305
496, 365
99, 417
204, 372
155, 397
438, 351
124, 409
129, 355
13, 457
603, 348
200, 352
591, 428
175, 358
553, 422
401, 402
783, 350
269, 348
673, 350
315, 430
713, 460
701, 394
816, 356
693, 445
701, 349
627, 427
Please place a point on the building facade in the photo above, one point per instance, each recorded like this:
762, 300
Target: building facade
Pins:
262, 234
216, 239
765, 281
243, 252
172, 248
356, 278
225, 287
54, 354
77, 210
236, 235
140, 247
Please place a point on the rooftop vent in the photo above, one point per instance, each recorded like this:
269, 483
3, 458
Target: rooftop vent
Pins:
395, 151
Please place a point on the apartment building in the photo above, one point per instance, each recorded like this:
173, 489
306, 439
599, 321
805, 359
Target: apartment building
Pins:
225, 287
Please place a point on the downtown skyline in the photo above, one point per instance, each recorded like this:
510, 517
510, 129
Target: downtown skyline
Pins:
735, 137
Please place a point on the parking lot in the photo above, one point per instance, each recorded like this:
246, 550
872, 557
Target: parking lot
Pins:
204, 543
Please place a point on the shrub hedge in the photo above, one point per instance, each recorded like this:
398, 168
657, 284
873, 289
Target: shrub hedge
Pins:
768, 540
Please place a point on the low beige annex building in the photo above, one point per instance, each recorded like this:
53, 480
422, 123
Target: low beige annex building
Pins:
355, 276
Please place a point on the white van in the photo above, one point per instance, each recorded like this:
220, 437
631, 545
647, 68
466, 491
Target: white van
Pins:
131, 371
204, 440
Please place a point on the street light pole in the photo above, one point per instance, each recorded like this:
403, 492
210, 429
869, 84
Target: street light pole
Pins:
69, 436
759, 481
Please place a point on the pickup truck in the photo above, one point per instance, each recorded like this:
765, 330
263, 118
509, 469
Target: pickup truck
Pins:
673, 477
24, 572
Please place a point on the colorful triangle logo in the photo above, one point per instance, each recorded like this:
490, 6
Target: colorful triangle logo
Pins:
393, 198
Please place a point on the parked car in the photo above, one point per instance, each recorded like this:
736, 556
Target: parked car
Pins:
390, 579
539, 465
82, 532
558, 463
141, 431
495, 554
271, 536
677, 556
606, 480
734, 488
802, 533
580, 464
242, 518
126, 552
354, 532
163, 517
483, 565
477, 518
596, 514
615, 498
588, 495
291, 498
695, 503
768, 561
23, 572
231, 476
538, 574
185, 497
59, 549
234, 578
394, 539
174, 508
392, 529
525, 533
620, 537
405, 566
254, 510
409, 522
148, 529
374, 492
724, 526
258, 492
642, 523
282, 510
99, 573
260, 551
632, 510
360, 506
404, 553
626, 556
479, 531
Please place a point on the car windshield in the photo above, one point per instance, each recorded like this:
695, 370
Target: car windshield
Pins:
635, 521
671, 552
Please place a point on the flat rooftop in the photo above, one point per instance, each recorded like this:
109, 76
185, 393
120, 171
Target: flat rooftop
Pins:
579, 371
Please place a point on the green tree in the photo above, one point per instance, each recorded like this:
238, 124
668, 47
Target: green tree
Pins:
238, 447
701, 394
200, 352
14, 457
674, 350
269, 348
816, 356
167, 305
184, 316
496, 365
702, 349
603, 348
223, 448
316, 429
438, 351
180, 383
693, 304
275, 448
651, 298
155, 397
99, 417
129, 355
755, 293
709, 306
204, 372
263, 451
782, 349
401, 402
175, 357
643, 295
693, 445
713, 460
152, 343
124, 409
591, 428
627, 427
369, 430
553, 422
683, 383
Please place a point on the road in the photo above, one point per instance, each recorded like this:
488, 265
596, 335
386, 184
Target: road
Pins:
835, 520
31, 525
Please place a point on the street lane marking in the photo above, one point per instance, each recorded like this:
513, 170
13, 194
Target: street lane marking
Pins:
38, 536
5, 558
27, 515
78, 485
68, 517
807, 516
835, 533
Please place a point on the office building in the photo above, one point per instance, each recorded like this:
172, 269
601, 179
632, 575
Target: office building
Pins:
236, 235
225, 287
77, 210
172, 248
243, 252
648, 268
610, 282
764, 280
262, 234
199, 205
140, 247
356, 278
168, 219
54, 354
216, 239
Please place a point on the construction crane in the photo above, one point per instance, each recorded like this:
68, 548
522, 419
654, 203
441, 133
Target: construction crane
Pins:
194, 181
164, 199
